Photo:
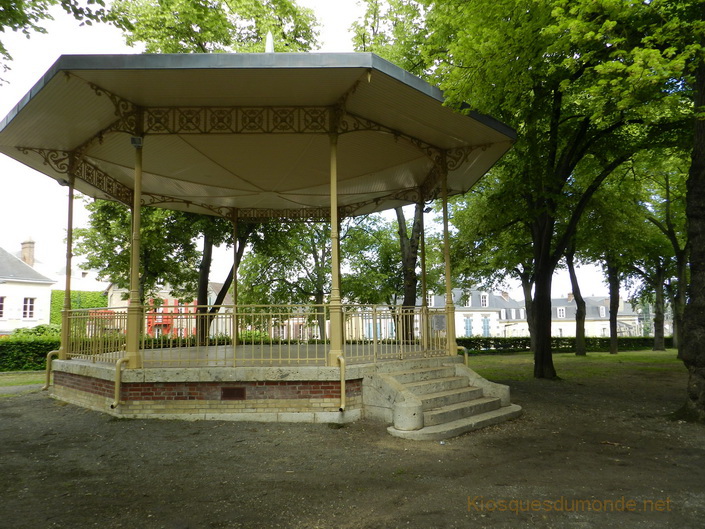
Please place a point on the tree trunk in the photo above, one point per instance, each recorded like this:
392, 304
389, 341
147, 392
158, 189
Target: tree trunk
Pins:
679, 301
409, 246
580, 311
693, 345
204, 269
659, 305
528, 307
541, 308
613, 281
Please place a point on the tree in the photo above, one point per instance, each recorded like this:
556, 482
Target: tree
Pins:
289, 265
391, 30
664, 175
693, 350
201, 26
168, 252
370, 250
27, 16
572, 78
490, 242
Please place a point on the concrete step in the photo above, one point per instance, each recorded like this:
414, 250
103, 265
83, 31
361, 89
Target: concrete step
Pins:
416, 363
426, 373
458, 427
435, 385
448, 397
460, 410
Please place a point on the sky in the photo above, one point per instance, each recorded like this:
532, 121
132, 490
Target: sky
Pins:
34, 207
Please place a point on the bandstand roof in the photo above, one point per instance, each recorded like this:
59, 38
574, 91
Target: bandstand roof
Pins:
249, 132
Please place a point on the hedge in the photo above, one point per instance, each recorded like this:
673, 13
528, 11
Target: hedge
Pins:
479, 345
26, 353
80, 299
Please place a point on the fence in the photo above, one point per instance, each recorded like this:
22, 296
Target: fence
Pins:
258, 335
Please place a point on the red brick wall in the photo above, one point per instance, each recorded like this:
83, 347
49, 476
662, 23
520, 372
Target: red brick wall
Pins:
311, 389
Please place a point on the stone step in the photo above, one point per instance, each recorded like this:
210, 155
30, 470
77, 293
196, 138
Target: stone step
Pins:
427, 373
458, 427
460, 410
448, 397
416, 363
435, 385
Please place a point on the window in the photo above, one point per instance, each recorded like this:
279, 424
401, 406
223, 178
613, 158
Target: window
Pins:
429, 299
2, 306
561, 312
521, 314
468, 326
467, 300
28, 308
485, 326
514, 314
503, 314
484, 300
603, 312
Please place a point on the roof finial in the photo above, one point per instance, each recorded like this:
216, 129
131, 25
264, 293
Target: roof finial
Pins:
269, 43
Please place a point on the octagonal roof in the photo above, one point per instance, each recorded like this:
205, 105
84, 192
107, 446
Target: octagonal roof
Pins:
250, 132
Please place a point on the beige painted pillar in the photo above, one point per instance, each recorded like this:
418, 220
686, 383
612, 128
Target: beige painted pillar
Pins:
235, 268
424, 285
450, 307
135, 311
65, 348
335, 306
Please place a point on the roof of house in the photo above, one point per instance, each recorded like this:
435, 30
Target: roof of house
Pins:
14, 269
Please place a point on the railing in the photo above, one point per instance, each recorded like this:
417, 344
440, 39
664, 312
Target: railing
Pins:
98, 335
258, 335
374, 333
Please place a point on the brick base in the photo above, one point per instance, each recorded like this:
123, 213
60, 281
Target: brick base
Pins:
267, 400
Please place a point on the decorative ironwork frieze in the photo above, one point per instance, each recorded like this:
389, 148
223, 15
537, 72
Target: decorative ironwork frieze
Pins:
353, 123
126, 111
69, 163
236, 120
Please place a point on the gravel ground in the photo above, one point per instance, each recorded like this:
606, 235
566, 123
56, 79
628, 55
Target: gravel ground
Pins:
598, 452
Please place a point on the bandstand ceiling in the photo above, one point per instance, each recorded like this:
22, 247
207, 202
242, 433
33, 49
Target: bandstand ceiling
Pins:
249, 132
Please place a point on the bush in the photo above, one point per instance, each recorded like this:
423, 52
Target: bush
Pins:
26, 353
45, 329
480, 345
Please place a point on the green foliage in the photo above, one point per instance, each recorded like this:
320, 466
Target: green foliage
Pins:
26, 353
80, 299
40, 330
202, 26
289, 264
391, 30
480, 345
168, 249
26, 16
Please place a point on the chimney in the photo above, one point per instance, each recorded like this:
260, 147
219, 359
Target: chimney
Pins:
28, 252
570, 297
505, 295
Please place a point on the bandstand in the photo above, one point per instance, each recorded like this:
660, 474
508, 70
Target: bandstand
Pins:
248, 137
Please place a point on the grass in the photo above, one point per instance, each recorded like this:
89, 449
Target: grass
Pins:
569, 366
518, 366
22, 379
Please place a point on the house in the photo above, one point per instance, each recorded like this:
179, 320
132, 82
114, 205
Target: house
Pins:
164, 318
597, 317
25, 294
487, 314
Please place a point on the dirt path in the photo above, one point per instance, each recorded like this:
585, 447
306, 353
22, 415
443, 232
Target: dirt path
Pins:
601, 444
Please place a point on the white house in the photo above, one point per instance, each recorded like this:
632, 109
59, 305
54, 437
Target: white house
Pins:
25, 294
487, 314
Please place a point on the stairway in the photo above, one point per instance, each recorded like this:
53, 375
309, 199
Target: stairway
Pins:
450, 399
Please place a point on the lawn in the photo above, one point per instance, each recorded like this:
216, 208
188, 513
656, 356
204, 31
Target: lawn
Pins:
22, 379
570, 366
